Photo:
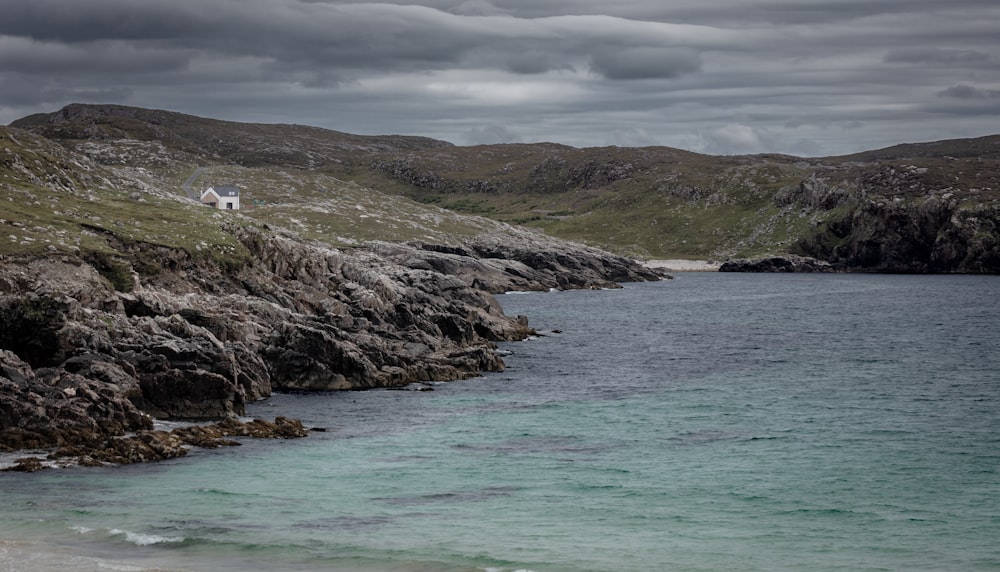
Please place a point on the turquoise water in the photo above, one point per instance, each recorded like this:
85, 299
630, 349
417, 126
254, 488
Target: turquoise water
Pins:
712, 422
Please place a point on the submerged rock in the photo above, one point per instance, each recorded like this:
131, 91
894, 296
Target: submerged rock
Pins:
158, 445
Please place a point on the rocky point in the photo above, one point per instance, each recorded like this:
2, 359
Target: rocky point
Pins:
86, 360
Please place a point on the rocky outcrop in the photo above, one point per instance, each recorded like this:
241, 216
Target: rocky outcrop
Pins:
85, 359
932, 235
82, 400
776, 264
524, 261
159, 445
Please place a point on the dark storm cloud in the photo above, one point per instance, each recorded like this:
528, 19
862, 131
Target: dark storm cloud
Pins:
726, 76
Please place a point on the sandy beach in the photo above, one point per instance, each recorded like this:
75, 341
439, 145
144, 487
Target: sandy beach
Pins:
681, 265
58, 556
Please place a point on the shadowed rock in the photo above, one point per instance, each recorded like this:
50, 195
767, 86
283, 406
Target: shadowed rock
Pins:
84, 363
777, 264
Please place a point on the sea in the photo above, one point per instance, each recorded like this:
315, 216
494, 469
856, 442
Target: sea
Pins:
713, 422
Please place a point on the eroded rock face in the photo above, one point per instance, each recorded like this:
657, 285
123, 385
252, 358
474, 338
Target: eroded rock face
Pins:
83, 360
87, 399
932, 236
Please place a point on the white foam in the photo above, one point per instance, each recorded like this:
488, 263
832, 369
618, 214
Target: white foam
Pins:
145, 539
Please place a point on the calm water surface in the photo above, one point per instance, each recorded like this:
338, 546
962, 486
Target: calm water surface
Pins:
712, 422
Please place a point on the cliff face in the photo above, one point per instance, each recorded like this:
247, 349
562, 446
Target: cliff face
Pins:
928, 236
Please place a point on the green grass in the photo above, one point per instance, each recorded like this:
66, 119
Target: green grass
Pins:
54, 203
102, 221
322, 207
345, 190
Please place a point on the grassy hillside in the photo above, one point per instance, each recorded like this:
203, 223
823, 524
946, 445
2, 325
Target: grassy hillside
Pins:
55, 201
647, 202
665, 203
98, 198
123, 170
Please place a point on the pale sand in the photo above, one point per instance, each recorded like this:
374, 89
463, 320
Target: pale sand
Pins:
27, 556
678, 265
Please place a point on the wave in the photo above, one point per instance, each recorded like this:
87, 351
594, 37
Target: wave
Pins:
140, 539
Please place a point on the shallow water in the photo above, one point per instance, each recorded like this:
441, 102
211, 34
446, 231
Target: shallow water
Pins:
712, 422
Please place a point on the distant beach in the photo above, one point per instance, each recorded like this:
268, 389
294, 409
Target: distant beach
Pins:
680, 265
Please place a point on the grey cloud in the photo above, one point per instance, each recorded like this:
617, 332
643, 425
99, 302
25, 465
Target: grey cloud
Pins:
738, 12
54, 20
776, 75
631, 137
534, 62
735, 139
477, 8
491, 134
353, 36
969, 92
21, 92
967, 101
644, 62
115, 57
923, 55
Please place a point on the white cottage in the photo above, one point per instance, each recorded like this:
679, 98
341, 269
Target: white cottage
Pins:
225, 197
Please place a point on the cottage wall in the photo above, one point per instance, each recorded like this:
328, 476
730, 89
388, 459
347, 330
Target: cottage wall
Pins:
223, 198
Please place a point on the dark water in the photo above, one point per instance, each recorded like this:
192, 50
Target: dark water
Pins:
713, 422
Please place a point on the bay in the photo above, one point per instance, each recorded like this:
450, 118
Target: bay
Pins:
712, 422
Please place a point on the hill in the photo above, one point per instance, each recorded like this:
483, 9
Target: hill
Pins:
926, 207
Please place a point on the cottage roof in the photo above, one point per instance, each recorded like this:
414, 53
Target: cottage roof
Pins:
227, 190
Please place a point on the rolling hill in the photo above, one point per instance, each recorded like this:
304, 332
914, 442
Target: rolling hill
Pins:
925, 207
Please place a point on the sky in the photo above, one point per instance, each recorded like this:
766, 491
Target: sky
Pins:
802, 77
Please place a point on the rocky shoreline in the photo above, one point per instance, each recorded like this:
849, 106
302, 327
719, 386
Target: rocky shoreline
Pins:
789, 263
158, 445
86, 359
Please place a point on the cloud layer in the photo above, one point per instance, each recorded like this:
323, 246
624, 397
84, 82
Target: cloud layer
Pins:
731, 76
